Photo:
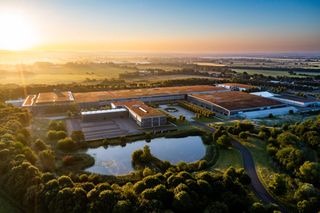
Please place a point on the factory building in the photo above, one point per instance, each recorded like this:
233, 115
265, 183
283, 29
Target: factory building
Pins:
101, 115
50, 102
303, 104
145, 116
102, 98
234, 103
236, 86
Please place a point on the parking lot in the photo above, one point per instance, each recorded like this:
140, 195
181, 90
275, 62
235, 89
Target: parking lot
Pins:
180, 111
110, 128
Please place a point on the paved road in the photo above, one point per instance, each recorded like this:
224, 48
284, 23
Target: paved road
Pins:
250, 168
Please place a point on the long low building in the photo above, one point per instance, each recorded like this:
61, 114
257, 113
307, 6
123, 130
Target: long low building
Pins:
237, 86
100, 98
132, 100
217, 99
291, 99
234, 103
144, 115
49, 102
101, 115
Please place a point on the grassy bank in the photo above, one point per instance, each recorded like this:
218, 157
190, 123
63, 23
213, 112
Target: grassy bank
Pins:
228, 157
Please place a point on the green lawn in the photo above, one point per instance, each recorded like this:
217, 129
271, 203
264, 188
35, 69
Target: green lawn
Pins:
274, 73
206, 120
227, 158
279, 120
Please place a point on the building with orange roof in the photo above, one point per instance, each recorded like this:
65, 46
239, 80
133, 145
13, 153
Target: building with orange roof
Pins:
144, 115
242, 104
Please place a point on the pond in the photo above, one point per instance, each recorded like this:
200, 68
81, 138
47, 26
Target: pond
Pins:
116, 160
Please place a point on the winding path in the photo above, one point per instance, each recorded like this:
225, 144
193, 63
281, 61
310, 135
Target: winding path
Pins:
249, 166
258, 187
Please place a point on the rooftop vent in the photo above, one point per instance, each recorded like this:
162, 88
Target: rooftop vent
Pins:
143, 110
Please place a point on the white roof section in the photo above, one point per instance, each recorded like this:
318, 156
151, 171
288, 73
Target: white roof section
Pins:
264, 94
267, 112
104, 111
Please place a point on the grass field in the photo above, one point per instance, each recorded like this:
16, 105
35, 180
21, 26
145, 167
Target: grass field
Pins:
282, 119
275, 73
153, 78
47, 73
165, 67
227, 158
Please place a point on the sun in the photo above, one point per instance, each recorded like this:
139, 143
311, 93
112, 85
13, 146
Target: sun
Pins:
16, 32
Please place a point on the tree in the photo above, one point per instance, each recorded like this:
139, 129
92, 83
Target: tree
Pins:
310, 172
278, 184
305, 191
56, 135
306, 206
47, 160
182, 202
258, 207
57, 126
290, 158
66, 144
122, 206
217, 207
77, 136
287, 138
312, 138
224, 141
243, 135
39, 145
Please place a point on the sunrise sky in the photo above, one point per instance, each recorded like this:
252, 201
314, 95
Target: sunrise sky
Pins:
163, 25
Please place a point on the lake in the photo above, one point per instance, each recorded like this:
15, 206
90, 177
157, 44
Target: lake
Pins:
116, 160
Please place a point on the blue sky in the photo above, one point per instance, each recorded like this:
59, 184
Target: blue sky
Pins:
177, 25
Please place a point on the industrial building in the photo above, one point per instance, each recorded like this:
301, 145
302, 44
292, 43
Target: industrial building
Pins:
49, 102
132, 103
145, 116
101, 115
293, 100
102, 98
237, 86
234, 103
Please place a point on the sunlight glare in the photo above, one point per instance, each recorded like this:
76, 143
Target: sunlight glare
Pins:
16, 33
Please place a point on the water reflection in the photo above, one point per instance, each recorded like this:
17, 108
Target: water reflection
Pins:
117, 159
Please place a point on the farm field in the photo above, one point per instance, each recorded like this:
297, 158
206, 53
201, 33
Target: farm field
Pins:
153, 78
48, 73
275, 73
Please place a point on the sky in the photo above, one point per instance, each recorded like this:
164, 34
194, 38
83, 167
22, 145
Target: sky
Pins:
170, 25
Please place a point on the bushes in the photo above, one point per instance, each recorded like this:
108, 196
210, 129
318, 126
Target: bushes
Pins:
47, 160
243, 135
278, 184
197, 109
290, 158
77, 136
239, 127
310, 172
66, 144
56, 135
224, 141
57, 126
